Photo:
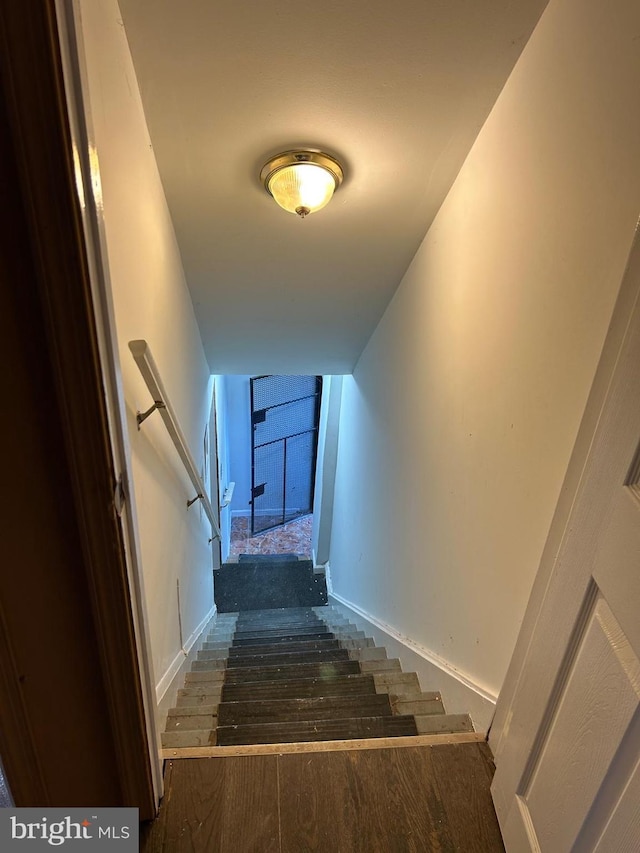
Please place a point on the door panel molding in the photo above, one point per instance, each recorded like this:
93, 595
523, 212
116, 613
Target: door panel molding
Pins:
592, 715
581, 626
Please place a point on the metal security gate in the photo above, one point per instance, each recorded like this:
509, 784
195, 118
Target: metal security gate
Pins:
285, 412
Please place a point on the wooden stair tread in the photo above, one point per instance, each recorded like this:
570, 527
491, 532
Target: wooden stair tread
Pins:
283, 638
279, 612
316, 708
264, 631
284, 658
300, 688
313, 730
272, 648
269, 624
292, 671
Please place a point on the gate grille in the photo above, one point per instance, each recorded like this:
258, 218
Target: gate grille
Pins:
285, 412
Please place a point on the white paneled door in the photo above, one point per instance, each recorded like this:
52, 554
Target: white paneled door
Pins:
567, 739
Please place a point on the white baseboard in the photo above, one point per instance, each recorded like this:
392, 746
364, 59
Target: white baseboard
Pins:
327, 577
176, 664
460, 693
319, 568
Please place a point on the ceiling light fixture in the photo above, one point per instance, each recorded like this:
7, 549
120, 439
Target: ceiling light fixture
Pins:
302, 181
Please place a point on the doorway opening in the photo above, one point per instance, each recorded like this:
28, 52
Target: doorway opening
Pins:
274, 430
285, 415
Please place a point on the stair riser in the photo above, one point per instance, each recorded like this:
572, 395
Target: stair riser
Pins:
266, 562
393, 680
206, 665
196, 701
180, 724
209, 675
420, 706
390, 665
214, 691
443, 724
368, 653
211, 655
183, 740
206, 710
211, 647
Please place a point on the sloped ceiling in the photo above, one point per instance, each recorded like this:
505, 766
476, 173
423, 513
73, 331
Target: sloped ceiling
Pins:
398, 91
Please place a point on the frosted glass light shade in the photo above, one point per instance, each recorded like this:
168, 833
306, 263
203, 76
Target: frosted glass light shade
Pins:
302, 186
302, 181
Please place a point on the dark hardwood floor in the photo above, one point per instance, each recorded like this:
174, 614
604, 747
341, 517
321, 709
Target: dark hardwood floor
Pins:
424, 799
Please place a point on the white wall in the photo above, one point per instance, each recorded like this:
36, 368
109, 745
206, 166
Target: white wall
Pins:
328, 431
151, 301
239, 440
222, 435
460, 417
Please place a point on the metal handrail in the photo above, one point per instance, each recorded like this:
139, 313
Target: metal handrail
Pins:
147, 366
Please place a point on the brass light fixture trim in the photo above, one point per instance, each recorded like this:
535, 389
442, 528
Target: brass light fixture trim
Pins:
282, 179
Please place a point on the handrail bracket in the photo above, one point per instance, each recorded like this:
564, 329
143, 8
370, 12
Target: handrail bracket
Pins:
142, 416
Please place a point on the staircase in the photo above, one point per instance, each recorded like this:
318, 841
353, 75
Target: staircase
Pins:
297, 673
